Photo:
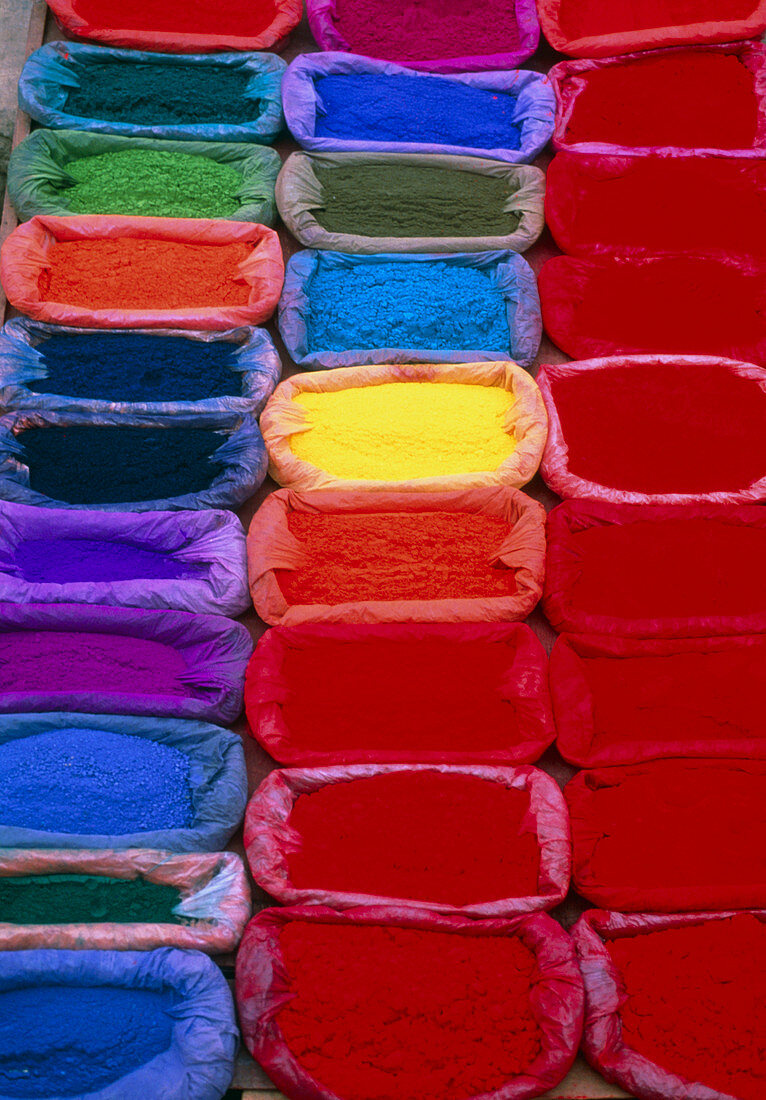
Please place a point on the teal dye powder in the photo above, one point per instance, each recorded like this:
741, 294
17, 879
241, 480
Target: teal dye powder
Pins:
110, 465
406, 305
69, 1040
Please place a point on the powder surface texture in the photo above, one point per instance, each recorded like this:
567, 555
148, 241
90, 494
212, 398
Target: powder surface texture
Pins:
695, 1001
688, 99
659, 428
153, 184
673, 568
136, 273
68, 1040
673, 824
402, 556
52, 660
109, 465
91, 781
406, 305
86, 899
399, 200
63, 561
424, 110
431, 695
243, 18
122, 366
404, 430
417, 835
156, 95
583, 18
379, 1011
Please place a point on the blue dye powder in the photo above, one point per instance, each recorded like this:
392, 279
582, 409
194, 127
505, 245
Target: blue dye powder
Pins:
427, 110
115, 366
406, 305
69, 1040
67, 561
93, 781
110, 465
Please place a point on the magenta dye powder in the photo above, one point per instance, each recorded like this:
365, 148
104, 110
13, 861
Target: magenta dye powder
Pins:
64, 561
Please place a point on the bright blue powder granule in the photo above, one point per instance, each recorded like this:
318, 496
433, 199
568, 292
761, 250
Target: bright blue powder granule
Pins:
427, 110
67, 561
430, 305
93, 781
116, 366
69, 1040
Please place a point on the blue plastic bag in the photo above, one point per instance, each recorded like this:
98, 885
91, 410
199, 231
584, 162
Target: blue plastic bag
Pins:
198, 1063
256, 369
217, 774
50, 71
512, 275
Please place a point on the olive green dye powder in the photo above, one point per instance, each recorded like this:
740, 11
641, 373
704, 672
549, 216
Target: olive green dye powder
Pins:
155, 184
408, 201
86, 899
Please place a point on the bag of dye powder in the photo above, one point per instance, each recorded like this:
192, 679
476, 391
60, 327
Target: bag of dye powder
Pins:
532, 97
116, 1025
126, 901
51, 72
167, 372
305, 200
74, 461
40, 179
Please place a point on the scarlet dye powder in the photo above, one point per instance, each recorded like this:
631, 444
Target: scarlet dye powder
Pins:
671, 568
695, 1001
404, 697
690, 99
587, 18
134, 273
401, 556
243, 18
378, 1012
420, 835
667, 825
659, 428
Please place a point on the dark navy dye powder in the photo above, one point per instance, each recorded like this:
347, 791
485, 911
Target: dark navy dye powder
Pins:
69, 1040
91, 781
64, 561
149, 94
406, 305
432, 110
119, 366
93, 465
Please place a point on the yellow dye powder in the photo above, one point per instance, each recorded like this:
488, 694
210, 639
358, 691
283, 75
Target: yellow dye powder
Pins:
403, 430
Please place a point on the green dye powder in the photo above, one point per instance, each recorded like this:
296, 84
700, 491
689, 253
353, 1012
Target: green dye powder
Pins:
154, 184
407, 201
86, 899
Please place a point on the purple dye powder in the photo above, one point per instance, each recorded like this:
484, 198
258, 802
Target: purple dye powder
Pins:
63, 561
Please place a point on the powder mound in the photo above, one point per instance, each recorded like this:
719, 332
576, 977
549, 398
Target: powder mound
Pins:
421, 110
86, 899
66, 561
402, 430
243, 18
695, 1001
416, 835
156, 95
431, 305
395, 556
91, 781
379, 1011
586, 18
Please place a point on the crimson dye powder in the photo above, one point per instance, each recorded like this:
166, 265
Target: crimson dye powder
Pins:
402, 556
378, 1012
136, 273
695, 1001
243, 18
587, 18
660, 428
689, 99
429, 836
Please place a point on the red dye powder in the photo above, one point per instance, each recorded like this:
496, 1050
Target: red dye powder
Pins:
133, 273
416, 30
586, 18
243, 18
695, 1002
429, 836
670, 835
671, 568
690, 99
415, 556
379, 1012
659, 428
